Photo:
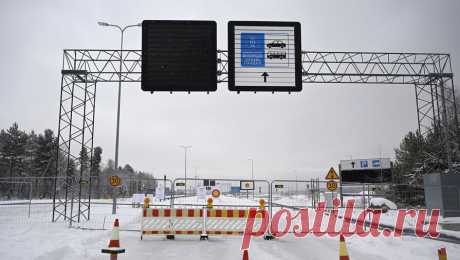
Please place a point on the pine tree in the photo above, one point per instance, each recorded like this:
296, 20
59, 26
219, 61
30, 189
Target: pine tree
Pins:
84, 161
71, 169
128, 168
14, 148
30, 153
3, 160
111, 164
96, 169
45, 154
408, 158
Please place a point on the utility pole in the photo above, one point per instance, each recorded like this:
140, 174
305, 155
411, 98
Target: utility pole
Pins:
296, 185
164, 185
252, 176
252, 168
196, 177
122, 30
185, 147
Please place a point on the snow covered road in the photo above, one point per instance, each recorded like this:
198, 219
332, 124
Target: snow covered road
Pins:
37, 238
56, 241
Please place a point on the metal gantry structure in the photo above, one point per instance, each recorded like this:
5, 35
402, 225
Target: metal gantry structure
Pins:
429, 73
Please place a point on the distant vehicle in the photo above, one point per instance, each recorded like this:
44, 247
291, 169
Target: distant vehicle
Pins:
276, 55
276, 44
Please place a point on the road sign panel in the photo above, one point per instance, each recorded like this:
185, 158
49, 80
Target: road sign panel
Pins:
179, 55
264, 56
208, 182
332, 175
252, 50
376, 163
246, 185
279, 186
373, 170
160, 191
235, 189
365, 164
215, 193
114, 180
331, 185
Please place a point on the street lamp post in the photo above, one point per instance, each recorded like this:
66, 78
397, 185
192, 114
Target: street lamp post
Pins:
122, 30
252, 177
185, 147
196, 177
252, 168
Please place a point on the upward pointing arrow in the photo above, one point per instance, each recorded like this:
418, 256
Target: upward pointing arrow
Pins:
265, 75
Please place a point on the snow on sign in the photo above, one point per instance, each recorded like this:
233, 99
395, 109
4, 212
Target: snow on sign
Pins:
264, 56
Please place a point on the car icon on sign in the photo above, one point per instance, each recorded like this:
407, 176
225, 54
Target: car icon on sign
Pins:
276, 55
276, 44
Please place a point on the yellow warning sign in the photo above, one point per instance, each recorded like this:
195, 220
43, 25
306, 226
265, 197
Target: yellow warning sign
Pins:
331, 185
332, 175
114, 180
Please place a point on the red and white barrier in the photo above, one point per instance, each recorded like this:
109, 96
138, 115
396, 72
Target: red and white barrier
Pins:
204, 222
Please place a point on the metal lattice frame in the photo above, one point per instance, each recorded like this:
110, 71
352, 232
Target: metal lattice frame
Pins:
430, 73
72, 195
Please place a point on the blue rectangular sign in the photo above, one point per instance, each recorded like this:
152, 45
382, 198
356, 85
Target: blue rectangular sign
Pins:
252, 50
235, 189
376, 163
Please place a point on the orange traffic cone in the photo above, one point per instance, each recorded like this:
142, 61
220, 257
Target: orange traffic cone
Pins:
114, 244
442, 254
245, 255
115, 240
343, 253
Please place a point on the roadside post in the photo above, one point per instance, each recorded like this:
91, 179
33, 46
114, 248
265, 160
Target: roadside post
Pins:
114, 181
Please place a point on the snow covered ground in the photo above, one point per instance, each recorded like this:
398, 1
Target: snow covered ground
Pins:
37, 238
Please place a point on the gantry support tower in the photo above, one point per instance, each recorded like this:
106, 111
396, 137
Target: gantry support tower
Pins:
429, 73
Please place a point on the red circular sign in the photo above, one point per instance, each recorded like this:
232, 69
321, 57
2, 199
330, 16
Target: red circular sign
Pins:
215, 193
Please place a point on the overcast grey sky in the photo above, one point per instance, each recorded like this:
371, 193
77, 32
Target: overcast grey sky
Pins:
301, 134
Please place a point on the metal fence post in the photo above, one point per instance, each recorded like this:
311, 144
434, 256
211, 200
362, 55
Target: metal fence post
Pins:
30, 198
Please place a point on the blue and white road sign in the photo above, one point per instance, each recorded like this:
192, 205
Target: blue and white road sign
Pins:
265, 56
252, 50
366, 164
376, 163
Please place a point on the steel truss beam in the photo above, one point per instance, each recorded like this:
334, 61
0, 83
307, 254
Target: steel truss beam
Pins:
430, 73
318, 67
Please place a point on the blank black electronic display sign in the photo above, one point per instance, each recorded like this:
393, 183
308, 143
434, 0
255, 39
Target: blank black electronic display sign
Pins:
179, 55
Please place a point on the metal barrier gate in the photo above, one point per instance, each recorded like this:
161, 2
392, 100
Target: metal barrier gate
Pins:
195, 221
231, 192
